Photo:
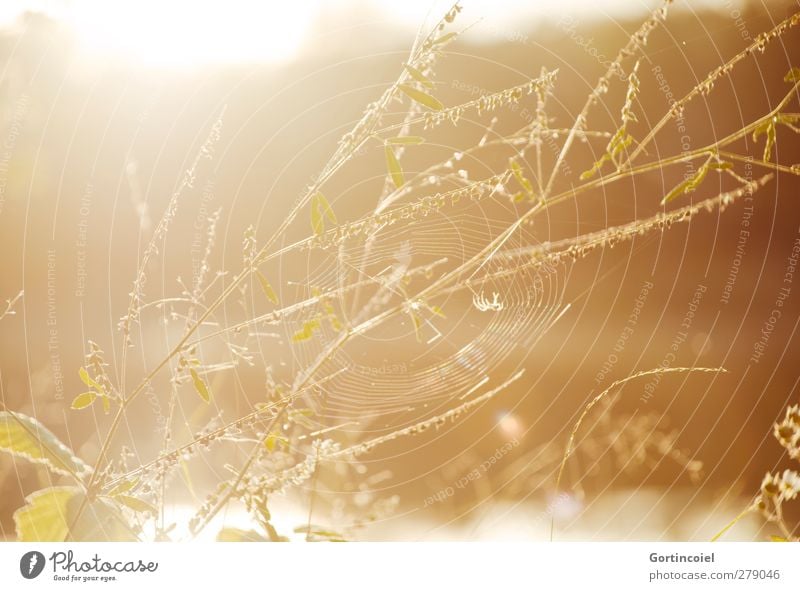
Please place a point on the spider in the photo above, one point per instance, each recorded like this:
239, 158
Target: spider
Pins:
484, 305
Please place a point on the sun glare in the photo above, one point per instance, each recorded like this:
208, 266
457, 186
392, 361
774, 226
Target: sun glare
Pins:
183, 33
194, 33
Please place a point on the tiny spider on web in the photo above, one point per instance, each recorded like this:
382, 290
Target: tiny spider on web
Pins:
484, 305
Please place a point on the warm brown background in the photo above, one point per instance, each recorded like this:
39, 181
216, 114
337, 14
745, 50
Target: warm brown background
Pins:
80, 124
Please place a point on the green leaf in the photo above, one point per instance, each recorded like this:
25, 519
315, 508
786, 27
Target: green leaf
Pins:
394, 168
263, 517
619, 143
418, 76
336, 324
693, 182
49, 513
44, 518
83, 400
87, 379
444, 39
516, 169
769, 143
792, 75
25, 437
200, 386
422, 98
135, 503
317, 221
301, 335
326, 208
778, 538
682, 188
438, 311
275, 439
768, 128
417, 326
760, 129
267, 289
123, 487
406, 139
309, 326
586, 175
315, 530
302, 417
721, 166
234, 534
320, 209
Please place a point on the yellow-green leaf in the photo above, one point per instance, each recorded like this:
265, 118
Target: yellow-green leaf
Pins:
320, 209
269, 443
302, 416
516, 169
422, 98
317, 221
234, 534
769, 143
48, 515
438, 311
444, 39
336, 324
123, 487
406, 139
87, 379
419, 76
44, 518
417, 326
393, 167
620, 145
200, 386
762, 128
25, 437
792, 75
690, 184
135, 503
301, 335
315, 530
267, 289
325, 208
275, 439
768, 128
83, 400
307, 331
680, 189
187, 477
721, 165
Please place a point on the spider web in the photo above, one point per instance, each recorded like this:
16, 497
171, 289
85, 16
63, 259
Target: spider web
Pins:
452, 354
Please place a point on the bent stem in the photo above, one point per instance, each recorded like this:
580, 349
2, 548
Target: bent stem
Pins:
587, 409
730, 524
